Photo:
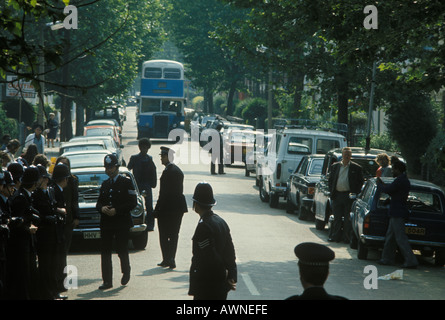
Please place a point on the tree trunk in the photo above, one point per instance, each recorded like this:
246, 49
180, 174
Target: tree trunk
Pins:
232, 90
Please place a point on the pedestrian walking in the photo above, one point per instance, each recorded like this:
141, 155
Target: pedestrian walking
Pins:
313, 264
170, 207
53, 126
345, 177
396, 236
11, 149
36, 138
144, 171
218, 154
384, 162
116, 199
213, 272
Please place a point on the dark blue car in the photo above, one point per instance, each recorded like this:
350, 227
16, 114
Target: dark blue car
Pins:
425, 226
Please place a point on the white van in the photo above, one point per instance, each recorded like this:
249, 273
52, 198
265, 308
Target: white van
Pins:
285, 153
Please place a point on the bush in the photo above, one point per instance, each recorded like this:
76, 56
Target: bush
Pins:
7, 125
433, 161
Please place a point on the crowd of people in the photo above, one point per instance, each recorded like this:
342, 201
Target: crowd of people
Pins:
38, 211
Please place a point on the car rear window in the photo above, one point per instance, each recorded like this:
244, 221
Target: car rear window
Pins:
418, 201
324, 145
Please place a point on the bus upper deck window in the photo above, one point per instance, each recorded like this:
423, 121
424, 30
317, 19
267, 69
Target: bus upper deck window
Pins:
153, 73
172, 73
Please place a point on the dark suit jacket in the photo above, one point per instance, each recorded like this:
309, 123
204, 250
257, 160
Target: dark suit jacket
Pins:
213, 260
171, 200
120, 195
315, 293
355, 177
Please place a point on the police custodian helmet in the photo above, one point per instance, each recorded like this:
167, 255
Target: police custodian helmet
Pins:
110, 160
30, 175
61, 171
203, 194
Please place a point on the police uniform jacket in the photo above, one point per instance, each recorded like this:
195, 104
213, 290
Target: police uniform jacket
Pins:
43, 203
171, 200
213, 260
21, 204
355, 177
120, 195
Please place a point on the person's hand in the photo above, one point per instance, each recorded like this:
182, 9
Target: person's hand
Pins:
109, 211
232, 284
32, 229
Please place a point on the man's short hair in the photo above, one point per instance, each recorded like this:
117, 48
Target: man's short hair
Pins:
315, 275
144, 142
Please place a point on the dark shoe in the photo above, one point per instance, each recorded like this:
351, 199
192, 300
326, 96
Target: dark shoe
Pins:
60, 297
106, 286
172, 265
221, 173
163, 264
125, 278
384, 263
213, 173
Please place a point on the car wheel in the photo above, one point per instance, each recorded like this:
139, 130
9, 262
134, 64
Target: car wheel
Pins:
290, 207
320, 224
362, 251
273, 200
140, 241
354, 241
263, 194
439, 257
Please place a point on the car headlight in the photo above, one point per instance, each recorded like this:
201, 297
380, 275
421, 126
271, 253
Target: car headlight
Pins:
138, 210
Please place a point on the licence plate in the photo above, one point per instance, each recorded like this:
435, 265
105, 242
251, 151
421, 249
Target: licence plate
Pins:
415, 231
91, 235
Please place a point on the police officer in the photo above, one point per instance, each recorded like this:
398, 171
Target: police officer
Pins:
313, 262
46, 236
61, 174
4, 234
21, 255
218, 154
116, 199
213, 272
170, 208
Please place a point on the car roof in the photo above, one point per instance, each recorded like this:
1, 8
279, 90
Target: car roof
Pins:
89, 152
92, 138
371, 153
414, 182
101, 126
96, 121
82, 143
311, 132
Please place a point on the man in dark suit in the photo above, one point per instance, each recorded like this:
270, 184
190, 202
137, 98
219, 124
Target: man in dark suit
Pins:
313, 263
213, 272
116, 199
170, 208
345, 177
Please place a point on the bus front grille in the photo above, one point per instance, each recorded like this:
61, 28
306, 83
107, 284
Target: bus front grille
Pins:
160, 126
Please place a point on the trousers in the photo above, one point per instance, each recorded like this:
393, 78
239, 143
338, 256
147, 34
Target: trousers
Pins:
396, 237
121, 237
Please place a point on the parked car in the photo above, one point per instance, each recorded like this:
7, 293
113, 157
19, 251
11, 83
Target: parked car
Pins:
110, 144
425, 225
261, 142
237, 144
85, 159
112, 131
90, 181
105, 122
301, 186
322, 201
285, 153
110, 112
81, 146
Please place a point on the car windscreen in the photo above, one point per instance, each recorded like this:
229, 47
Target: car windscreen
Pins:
316, 166
86, 160
369, 166
99, 132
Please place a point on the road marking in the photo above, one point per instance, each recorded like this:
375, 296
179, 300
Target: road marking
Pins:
253, 290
